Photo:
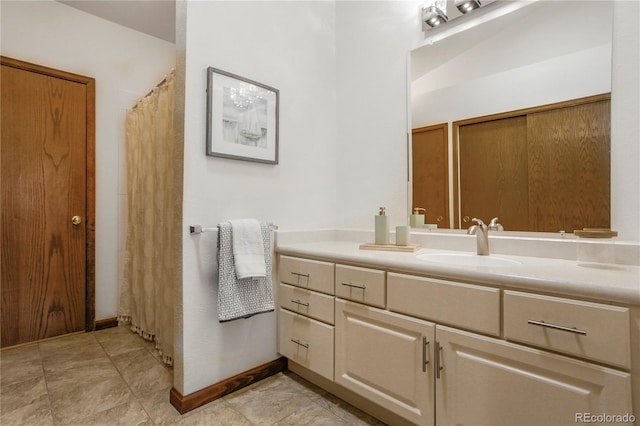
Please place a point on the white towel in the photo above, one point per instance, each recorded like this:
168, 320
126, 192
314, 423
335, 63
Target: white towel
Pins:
241, 298
248, 249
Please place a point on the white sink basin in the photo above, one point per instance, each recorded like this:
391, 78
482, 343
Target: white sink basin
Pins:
466, 259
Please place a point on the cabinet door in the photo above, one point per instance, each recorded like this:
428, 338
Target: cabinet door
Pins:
485, 381
386, 358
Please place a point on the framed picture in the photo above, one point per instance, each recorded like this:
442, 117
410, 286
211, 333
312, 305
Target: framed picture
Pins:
242, 118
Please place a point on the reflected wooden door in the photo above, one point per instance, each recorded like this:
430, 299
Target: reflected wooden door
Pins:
570, 167
430, 165
493, 172
47, 138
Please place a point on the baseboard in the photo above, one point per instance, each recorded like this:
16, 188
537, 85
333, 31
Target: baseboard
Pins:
186, 403
106, 323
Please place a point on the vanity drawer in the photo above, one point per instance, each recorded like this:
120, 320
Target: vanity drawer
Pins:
309, 303
361, 285
589, 330
309, 274
466, 306
307, 342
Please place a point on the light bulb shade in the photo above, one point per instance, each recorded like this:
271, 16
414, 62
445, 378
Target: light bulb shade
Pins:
465, 6
433, 16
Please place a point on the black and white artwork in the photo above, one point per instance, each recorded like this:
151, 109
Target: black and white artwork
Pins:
242, 118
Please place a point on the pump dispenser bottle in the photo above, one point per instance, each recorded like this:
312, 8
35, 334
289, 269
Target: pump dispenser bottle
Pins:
382, 227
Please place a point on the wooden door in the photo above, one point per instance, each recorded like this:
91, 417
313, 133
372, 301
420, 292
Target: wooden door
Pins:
485, 381
386, 358
430, 165
46, 170
493, 172
570, 167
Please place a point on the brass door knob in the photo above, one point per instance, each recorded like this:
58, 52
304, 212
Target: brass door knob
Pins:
76, 220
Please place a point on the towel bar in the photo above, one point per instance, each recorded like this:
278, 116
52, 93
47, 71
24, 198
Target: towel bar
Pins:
199, 229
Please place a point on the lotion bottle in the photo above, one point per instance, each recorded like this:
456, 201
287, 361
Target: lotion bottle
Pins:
416, 220
382, 227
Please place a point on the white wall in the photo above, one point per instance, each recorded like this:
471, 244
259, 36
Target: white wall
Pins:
289, 46
125, 64
573, 76
373, 39
625, 125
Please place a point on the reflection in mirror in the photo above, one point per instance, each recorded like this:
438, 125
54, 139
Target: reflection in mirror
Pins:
548, 167
538, 56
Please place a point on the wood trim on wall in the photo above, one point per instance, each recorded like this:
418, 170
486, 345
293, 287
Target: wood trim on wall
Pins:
91, 205
90, 83
106, 323
186, 403
531, 110
455, 154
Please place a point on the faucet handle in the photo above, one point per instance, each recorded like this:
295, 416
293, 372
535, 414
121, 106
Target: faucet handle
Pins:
478, 221
495, 226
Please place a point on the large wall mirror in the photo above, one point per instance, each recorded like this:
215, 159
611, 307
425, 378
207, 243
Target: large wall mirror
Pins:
511, 118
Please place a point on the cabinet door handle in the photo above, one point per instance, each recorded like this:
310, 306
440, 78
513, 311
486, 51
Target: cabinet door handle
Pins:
438, 353
557, 327
425, 361
298, 342
300, 303
300, 274
361, 286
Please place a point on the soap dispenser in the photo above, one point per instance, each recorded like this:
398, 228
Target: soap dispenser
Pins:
416, 220
382, 227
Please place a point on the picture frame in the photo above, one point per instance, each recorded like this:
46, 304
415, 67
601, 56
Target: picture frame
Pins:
242, 118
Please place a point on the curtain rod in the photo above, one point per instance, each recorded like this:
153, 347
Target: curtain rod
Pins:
163, 81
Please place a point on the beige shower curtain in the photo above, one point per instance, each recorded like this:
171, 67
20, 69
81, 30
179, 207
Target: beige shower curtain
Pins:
152, 246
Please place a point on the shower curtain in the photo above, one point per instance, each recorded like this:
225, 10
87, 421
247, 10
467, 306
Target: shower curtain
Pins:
152, 254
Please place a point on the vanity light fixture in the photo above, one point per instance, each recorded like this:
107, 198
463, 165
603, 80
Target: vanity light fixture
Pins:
434, 13
465, 6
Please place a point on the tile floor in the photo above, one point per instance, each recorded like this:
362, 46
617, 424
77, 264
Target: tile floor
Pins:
113, 377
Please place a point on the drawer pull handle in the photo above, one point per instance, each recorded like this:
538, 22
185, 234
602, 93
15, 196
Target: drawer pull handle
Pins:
300, 274
425, 361
300, 303
439, 367
361, 286
298, 342
557, 327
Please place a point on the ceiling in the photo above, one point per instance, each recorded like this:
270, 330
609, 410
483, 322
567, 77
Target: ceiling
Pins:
158, 17
154, 17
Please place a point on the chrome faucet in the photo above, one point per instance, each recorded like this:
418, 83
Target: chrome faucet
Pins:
482, 233
494, 225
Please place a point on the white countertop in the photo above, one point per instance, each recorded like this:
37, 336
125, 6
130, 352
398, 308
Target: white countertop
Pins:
598, 281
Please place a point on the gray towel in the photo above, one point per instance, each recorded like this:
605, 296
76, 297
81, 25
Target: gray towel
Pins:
241, 298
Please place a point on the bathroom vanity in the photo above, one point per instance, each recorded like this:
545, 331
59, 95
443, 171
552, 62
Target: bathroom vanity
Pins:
521, 340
